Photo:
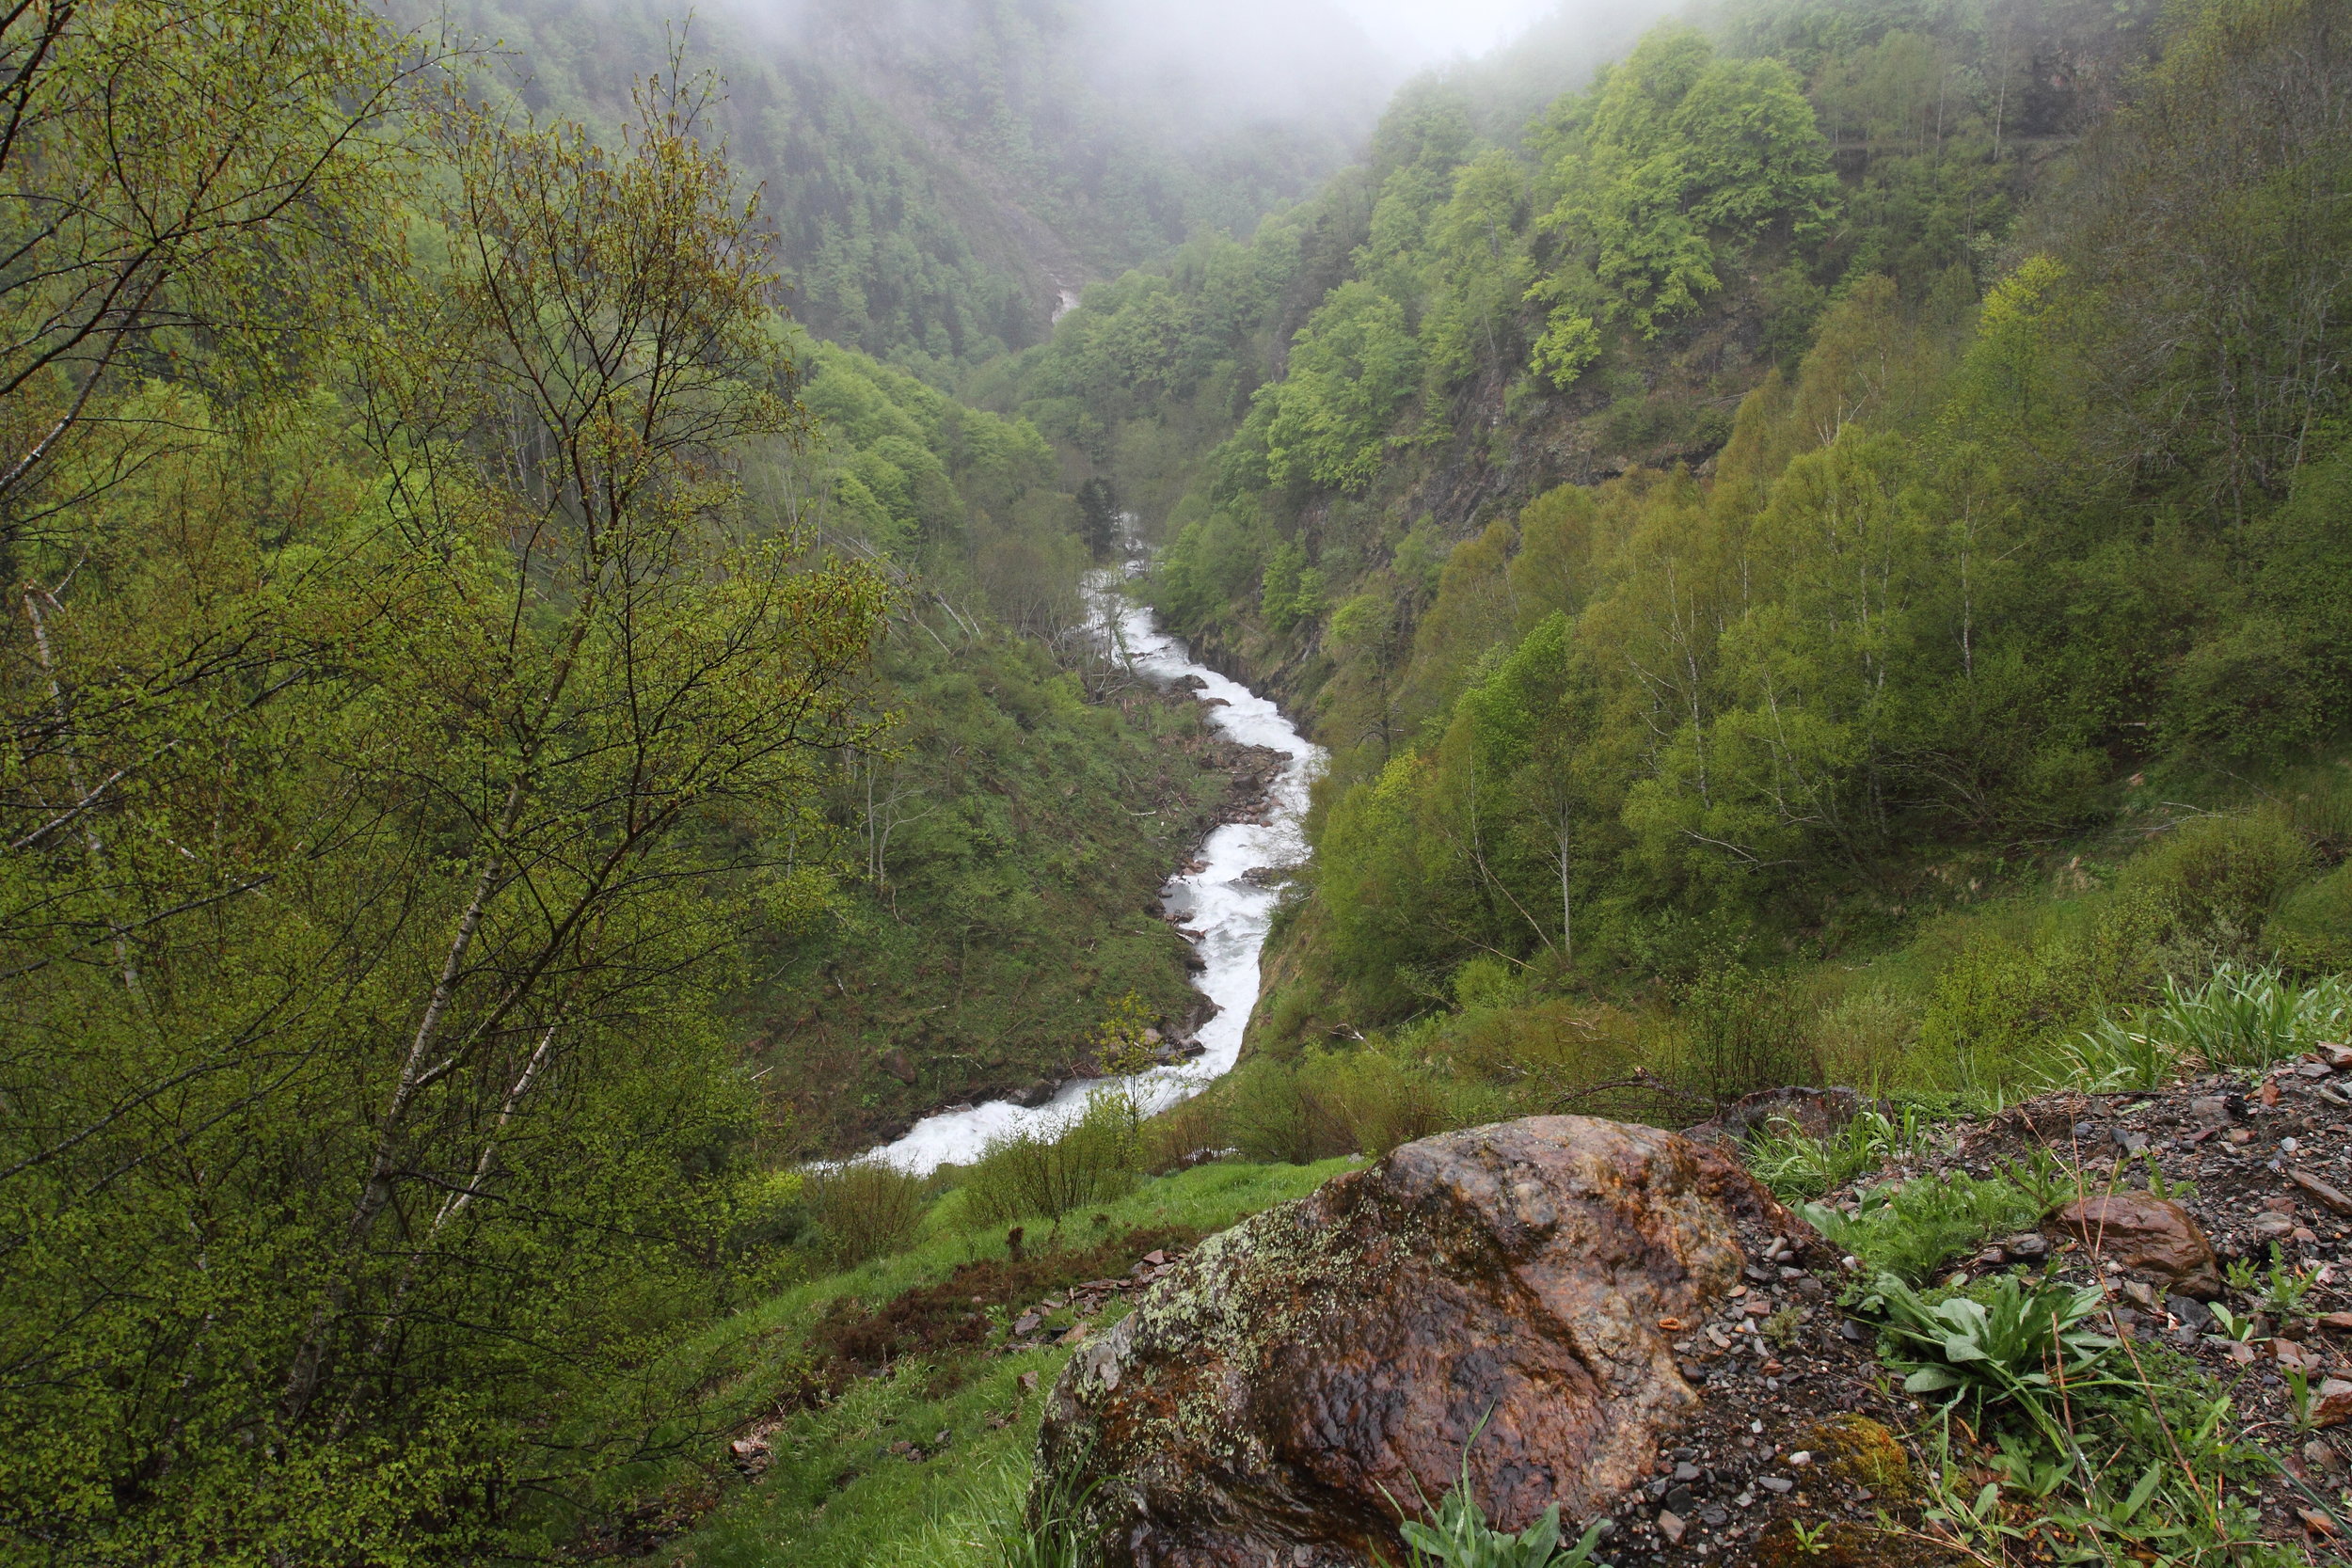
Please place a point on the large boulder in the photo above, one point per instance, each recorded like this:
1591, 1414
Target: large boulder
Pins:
1301, 1375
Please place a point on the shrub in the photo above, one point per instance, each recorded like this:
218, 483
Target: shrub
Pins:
2216, 879
1280, 1115
1049, 1171
2311, 932
863, 1209
1175, 1137
1745, 1032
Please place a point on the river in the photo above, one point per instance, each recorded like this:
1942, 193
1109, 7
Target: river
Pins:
1229, 911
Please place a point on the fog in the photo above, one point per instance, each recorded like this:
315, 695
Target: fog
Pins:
1215, 65
1424, 32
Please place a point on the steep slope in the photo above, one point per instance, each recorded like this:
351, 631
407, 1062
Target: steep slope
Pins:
945, 172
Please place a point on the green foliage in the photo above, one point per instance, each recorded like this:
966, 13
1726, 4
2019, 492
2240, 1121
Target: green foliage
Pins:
863, 1209
2247, 1019
2003, 1342
1797, 1167
1675, 155
1909, 1230
1458, 1536
1049, 1172
1330, 420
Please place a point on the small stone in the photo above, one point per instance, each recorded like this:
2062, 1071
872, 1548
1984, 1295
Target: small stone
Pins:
2271, 1227
1800, 1459
2209, 1110
2143, 1296
2321, 1455
2333, 1405
1679, 1498
1776, 1483
2315, 1070
2241, 1135
2027, 1246
2335, 1055
1714, 1517
1670, 1525
1688, 1472
2305, 1236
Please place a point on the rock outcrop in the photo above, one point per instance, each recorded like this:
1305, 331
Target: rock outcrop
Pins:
1300, 1376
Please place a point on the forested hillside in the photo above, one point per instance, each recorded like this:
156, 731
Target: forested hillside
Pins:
486, 693
1778, 492
942, 173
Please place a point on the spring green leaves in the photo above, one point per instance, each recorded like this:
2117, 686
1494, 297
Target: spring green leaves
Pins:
2012, 1340
1677, 156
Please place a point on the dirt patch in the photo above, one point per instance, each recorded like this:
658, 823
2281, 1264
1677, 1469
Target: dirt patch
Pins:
970, 1312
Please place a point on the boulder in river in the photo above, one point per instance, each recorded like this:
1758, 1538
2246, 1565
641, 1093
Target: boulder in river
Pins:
1267, 1399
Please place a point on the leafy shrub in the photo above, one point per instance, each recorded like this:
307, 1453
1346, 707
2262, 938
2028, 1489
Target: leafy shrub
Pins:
1864, 1037
1175, 1135
863, 1209
1280, 1114
1910, 1229
2312, 930
2218, 878
1745, 1031
1332, 1102
1049, 1171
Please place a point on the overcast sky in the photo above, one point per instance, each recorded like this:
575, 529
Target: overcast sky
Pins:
1420, 31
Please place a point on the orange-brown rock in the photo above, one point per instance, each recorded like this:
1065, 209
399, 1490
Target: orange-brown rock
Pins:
2139, 1231
1266, 1401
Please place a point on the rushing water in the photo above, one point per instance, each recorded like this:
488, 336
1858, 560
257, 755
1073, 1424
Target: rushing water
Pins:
1230, 912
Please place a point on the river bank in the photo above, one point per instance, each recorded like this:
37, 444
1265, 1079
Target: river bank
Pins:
1221, 898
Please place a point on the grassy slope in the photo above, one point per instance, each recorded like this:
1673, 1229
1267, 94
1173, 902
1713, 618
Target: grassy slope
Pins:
835, 1496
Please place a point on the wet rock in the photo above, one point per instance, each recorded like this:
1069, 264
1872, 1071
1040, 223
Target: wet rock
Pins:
2139, 1231
1033, 1094
1276, 1388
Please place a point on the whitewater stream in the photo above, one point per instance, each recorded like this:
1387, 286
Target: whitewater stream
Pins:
1229, 911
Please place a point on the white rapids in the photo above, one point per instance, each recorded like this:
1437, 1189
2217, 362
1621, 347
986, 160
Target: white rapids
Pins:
1230, 912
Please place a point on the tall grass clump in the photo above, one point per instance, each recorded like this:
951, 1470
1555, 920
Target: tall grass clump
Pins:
1797, 1167
863, 1210
1047, 1172
2242, 1019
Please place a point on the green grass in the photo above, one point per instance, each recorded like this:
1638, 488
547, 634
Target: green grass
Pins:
833, 1496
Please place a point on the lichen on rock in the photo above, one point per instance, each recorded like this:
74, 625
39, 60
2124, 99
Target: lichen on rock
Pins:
1306, 1376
